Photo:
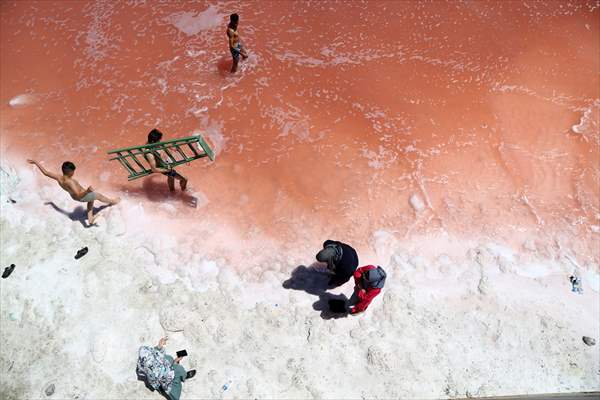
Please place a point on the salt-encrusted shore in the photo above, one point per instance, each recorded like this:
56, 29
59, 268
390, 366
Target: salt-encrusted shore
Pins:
490, 322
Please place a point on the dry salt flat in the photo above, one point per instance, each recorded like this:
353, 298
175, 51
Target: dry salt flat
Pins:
464, 318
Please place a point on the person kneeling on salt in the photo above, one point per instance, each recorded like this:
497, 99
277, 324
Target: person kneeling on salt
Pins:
369, 280
160, 371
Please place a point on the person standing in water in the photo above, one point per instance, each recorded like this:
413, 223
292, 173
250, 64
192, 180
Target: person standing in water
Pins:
157, 165
77, 192
235, 44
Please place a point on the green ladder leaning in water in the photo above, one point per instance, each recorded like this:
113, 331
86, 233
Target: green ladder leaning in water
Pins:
172, 152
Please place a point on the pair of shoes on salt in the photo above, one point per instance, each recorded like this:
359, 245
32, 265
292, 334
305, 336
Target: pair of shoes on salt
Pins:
190, 374
8, 271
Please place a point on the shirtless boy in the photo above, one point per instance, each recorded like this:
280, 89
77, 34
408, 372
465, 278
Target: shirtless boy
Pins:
235, 44
157, 165
76, 191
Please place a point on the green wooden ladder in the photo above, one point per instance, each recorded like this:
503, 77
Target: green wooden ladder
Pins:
172, 152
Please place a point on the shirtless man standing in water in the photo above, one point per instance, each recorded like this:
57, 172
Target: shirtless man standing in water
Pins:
235, 45
76, 191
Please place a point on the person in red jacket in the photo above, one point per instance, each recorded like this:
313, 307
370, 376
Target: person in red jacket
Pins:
369, 281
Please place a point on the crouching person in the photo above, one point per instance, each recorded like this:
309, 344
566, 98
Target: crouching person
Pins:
369, 281
160, 371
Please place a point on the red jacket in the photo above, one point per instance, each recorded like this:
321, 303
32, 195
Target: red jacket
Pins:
365, 296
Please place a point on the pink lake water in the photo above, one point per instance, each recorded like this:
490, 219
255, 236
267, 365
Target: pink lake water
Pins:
473, 119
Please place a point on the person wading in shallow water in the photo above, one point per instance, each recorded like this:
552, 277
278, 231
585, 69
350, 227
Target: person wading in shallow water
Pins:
157, 165
235, 44
74, 189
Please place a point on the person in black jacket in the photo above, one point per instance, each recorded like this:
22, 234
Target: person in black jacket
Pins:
341, 260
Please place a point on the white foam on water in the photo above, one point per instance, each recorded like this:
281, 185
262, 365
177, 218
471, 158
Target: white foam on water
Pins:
213, 131
583, 122
381, 158
192, 23
22, 100
416, 202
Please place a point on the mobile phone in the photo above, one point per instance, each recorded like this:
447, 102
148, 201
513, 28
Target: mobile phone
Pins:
181, 353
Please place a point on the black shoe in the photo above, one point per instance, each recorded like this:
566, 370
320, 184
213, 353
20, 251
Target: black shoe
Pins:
8, 271
81, 253
190, 374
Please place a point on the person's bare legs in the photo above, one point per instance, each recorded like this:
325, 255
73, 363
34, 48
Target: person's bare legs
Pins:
234, 65
182, 182
90, 213
103, 199
243, 53
171, 183
106, 200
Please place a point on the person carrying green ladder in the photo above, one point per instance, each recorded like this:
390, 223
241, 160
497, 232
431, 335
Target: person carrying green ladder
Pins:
162, 157
157, 165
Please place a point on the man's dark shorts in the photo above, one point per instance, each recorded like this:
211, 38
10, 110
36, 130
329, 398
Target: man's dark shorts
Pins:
172, 173
235, 53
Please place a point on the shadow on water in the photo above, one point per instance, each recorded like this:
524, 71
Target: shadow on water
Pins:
315, 280
157, 191
78, 214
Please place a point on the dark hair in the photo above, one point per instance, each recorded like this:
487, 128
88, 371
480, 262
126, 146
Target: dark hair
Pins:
154, 136
234, 18
67, 166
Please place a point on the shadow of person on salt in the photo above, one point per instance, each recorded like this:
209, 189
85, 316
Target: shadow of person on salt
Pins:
315, 280
332, 306
78, 214
312, 280
157, 191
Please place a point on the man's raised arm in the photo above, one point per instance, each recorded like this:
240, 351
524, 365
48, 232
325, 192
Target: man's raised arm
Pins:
44, 171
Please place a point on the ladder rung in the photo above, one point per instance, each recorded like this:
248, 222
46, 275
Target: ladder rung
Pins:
193, 149
126, 165
136, 160
180, 151
166, 150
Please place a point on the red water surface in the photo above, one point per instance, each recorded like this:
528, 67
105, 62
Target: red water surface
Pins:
343, 111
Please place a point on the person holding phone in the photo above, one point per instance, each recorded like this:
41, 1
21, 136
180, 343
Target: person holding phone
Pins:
161, 371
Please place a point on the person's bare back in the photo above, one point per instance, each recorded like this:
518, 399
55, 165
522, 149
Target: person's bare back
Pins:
71, 186
75, 190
